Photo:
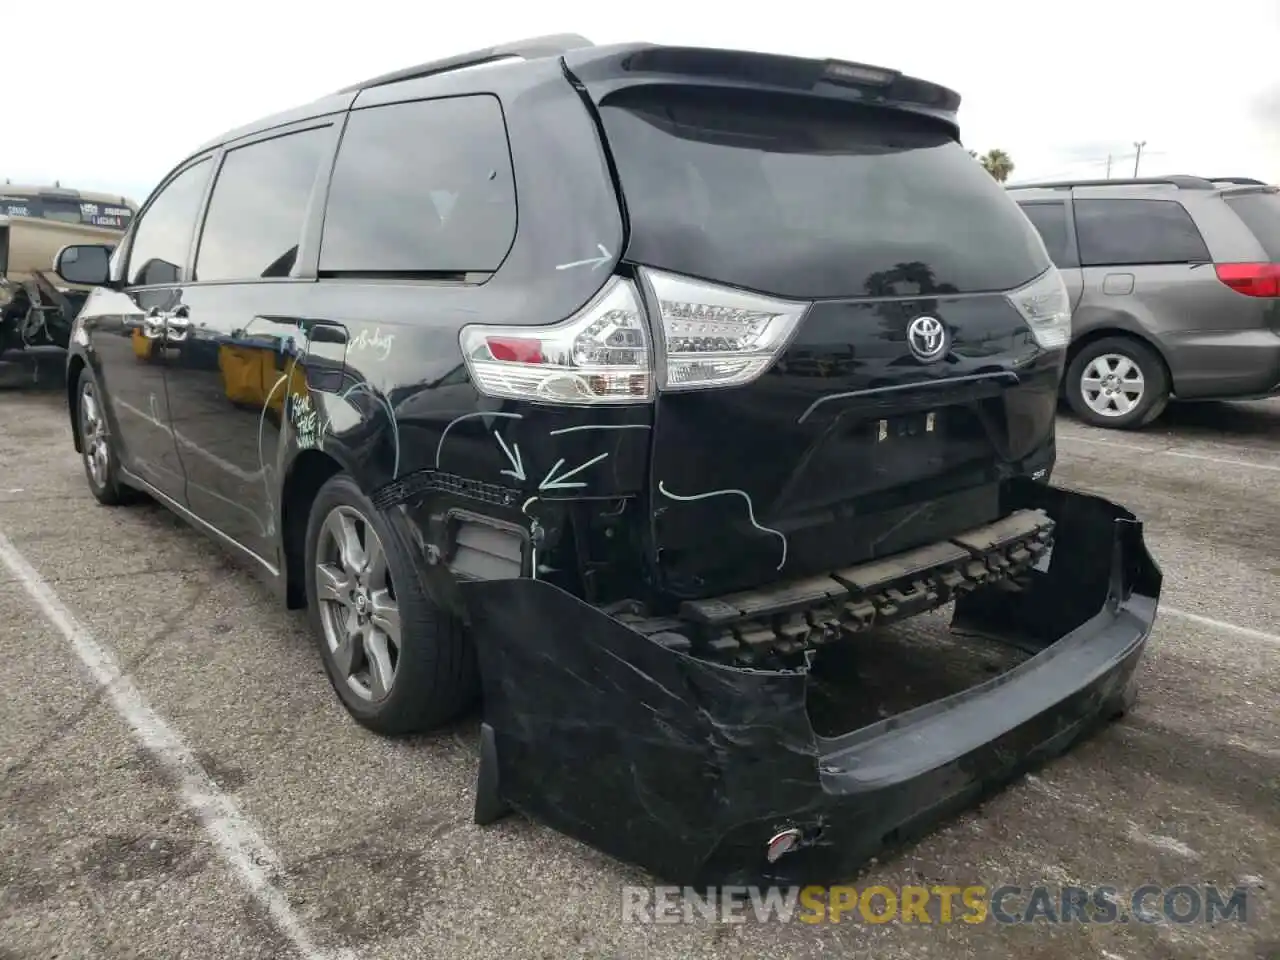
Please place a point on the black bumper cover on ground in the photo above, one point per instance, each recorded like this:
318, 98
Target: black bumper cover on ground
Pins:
688, 768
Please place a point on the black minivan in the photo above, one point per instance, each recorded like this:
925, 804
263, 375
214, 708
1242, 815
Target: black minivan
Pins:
617, 384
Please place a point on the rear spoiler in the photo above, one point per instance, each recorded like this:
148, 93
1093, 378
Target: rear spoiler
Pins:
603, 70
1239, 191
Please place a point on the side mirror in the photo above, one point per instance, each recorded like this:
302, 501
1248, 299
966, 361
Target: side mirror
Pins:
86, 264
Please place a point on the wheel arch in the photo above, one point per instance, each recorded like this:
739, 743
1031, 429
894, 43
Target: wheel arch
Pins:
75, 364
308, 472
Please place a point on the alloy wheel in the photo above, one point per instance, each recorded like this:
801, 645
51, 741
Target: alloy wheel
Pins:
93, 436
358, 608
1112, 385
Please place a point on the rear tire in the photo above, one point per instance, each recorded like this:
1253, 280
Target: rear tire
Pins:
1118, 383
97, 454
398, 663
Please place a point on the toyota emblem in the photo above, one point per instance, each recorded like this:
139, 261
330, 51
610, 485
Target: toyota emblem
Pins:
927, 338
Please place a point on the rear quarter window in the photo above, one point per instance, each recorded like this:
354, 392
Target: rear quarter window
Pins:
1132, 232
425, 187
1261, 214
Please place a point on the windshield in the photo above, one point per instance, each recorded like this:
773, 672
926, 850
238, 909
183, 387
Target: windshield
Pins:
805, 197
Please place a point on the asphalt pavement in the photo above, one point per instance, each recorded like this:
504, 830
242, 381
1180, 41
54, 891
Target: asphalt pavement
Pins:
180, 781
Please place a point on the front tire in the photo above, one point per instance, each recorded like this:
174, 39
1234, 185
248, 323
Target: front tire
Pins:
1118, 382
398, 662
101, 465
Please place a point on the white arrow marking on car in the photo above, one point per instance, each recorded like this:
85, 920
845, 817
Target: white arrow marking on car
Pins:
751, 512
552, 482
515, 459
596, 262
487, 414
601, 426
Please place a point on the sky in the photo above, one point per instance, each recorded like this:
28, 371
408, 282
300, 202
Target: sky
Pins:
135, 85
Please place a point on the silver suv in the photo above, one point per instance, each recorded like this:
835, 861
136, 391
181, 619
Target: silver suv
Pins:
1175, 290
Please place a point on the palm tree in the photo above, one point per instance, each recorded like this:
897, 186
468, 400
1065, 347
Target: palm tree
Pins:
996, 162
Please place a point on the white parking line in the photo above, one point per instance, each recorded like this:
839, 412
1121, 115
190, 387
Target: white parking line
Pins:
1260, 635
1134, 448
1106, 443
1162, 843
253, 862
1223, 460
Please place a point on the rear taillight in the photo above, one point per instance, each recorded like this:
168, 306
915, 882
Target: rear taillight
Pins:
1251, 279
1045, 306
712, 336
599, 355
718, 336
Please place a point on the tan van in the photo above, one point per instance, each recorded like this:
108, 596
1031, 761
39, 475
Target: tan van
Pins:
35, 223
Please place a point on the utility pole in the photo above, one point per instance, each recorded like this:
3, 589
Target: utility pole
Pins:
1108, 166
1138, 145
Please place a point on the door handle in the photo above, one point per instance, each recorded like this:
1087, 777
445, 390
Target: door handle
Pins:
176, 327
153, 324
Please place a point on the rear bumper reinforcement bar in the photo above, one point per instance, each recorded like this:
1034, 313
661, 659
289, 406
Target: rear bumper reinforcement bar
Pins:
757, 627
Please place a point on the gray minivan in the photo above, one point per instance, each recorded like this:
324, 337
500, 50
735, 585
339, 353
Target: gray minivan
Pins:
1175, 290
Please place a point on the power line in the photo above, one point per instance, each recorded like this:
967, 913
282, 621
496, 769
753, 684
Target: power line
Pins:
1071, 171
1112, 159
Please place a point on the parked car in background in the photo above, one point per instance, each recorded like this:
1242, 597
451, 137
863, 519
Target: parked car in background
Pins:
1175, 290
36, 308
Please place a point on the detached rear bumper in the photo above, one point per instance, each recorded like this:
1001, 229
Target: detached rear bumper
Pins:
689, 768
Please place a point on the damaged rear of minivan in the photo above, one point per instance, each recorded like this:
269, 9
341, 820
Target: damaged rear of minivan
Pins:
850, 341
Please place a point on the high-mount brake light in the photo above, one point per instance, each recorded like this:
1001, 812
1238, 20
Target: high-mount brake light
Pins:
1251, 279
1045, 306
600, 355
719, 336
838, 71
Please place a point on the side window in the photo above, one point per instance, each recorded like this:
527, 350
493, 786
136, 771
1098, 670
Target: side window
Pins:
421, 187
16, 206
162, 240
1123, 232
259, 202
1050, 221
61, 209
